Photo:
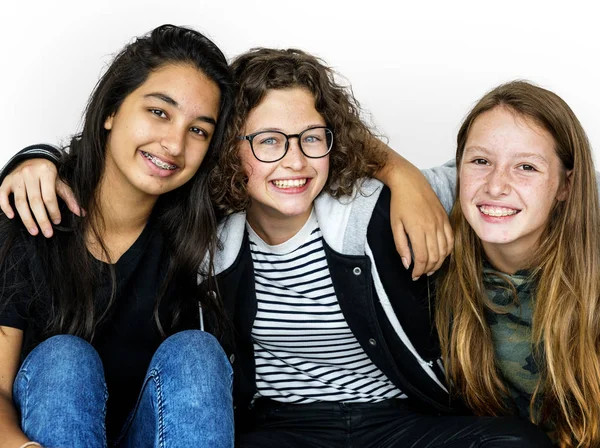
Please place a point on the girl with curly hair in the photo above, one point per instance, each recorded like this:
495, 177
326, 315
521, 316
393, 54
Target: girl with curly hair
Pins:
335, 344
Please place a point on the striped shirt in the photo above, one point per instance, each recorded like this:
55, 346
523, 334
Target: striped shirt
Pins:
303, 347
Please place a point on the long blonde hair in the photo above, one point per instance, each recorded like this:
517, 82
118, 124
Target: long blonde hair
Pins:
566, 270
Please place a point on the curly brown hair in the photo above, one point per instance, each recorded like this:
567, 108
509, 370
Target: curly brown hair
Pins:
355, 153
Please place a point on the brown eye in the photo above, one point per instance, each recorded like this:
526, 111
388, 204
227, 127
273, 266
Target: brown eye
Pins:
526, 167
199, 131
158, 113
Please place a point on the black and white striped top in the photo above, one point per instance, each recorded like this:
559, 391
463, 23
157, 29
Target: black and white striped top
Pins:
304, 349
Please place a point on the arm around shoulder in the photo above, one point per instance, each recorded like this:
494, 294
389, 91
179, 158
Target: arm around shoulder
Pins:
39, 151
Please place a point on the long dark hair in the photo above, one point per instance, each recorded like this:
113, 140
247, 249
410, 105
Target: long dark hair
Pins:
185, 216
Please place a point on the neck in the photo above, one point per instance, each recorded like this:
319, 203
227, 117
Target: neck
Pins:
275, 229
121, 209
121, 216
508, 259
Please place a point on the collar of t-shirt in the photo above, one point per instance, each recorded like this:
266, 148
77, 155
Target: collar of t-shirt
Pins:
290, 245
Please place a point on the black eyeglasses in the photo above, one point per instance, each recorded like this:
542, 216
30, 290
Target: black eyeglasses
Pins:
271, 146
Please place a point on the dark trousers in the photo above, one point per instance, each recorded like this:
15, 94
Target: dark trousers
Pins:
378, 425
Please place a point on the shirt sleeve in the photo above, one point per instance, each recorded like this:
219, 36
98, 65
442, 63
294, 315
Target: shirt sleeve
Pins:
443, 181
40, 151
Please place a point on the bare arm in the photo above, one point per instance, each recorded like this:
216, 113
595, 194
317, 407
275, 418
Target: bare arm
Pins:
11, 435
416, 211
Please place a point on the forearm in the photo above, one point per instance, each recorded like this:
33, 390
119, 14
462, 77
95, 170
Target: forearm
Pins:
416, 213
396, 169
39, 151
11, 435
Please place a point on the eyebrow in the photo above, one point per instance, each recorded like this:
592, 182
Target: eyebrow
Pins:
167, 99
281, 130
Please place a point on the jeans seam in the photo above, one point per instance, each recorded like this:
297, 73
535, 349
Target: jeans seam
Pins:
23, 378
104, 408
151, 376
154, 374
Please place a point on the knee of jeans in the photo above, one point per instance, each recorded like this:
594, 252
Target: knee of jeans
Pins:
64, 356
191, 350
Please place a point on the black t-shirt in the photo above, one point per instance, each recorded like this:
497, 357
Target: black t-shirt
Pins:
127, 340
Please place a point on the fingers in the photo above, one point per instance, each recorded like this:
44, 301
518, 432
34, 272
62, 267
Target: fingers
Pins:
49, 199
5, 202
430, 247
402, 245
426, 256
65, 192
22, 206
420, 253
443, 251
34, 187
449, 234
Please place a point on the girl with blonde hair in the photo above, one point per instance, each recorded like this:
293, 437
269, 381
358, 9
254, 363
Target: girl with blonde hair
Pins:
517, 309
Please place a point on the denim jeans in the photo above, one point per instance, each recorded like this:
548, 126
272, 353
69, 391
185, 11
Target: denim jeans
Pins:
185, 400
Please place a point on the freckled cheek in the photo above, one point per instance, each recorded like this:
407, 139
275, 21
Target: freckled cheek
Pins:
324, 167
468, 187
257, 175
537, 191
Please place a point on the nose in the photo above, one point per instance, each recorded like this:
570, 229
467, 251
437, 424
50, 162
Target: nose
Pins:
498, 182
173, 140
294, 158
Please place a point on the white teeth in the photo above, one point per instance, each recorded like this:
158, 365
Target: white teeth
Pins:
289, 183
497, 211
159, 163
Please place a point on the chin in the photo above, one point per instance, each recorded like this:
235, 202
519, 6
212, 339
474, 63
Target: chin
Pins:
294, 212
492, 238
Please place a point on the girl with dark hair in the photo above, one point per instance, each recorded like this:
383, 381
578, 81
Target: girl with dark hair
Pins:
93, 312
518, 308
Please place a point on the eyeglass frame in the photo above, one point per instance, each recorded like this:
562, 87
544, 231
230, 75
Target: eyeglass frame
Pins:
250, 137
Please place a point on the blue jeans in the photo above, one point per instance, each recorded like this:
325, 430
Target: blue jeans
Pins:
185, 400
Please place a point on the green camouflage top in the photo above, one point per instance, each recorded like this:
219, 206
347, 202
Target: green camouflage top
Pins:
511, 334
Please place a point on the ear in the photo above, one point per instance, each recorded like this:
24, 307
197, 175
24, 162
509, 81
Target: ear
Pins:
108, 123
565, 188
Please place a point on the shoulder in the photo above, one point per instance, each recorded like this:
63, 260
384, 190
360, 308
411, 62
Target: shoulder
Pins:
443, 181
344, 221
231, 234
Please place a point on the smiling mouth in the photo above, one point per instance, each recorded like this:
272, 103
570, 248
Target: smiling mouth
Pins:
497, 211
291, 183
159, 163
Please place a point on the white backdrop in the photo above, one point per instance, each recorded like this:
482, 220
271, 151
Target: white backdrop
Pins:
416, 67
